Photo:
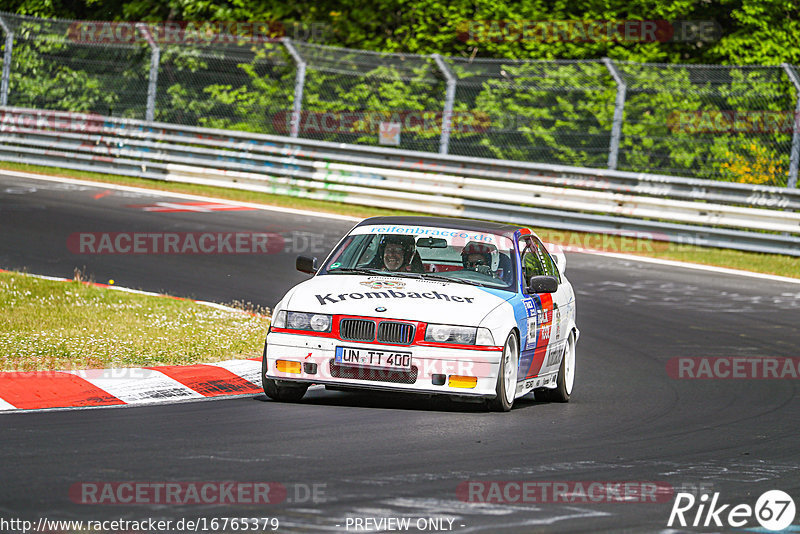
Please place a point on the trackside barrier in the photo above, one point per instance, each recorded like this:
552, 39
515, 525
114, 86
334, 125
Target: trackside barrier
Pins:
684, 210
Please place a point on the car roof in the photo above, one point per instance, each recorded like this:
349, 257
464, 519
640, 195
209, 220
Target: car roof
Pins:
446, 222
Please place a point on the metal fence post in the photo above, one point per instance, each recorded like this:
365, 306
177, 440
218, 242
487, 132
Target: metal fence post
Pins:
299, 84
793, 160
6, 62
449, 98
619, 106
152, 85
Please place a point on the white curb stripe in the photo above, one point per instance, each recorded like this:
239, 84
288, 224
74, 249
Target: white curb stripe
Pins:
6, 406
139, 385
247, 369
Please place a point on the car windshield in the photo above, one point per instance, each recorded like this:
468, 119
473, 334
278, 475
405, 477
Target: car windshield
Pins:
448, 254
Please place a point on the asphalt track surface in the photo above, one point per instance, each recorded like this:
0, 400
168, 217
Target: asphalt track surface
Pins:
379, 456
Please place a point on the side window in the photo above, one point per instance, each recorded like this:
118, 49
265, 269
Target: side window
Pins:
369, 251
536, 261
547, 261
531, 259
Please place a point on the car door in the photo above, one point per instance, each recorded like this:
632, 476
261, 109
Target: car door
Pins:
546, 321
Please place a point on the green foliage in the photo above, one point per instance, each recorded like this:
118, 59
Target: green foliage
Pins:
558, 112
751, 31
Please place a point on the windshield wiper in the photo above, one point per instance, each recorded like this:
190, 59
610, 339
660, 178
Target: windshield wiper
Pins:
362, 270
430, 276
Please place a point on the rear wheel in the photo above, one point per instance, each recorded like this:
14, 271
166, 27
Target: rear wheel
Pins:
506, 388
280, 390
566, 377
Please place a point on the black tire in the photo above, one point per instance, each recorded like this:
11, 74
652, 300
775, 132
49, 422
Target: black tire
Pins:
278, 389
563, 389
509, 365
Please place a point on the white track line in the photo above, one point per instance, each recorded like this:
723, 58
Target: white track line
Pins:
695, 266
184, 196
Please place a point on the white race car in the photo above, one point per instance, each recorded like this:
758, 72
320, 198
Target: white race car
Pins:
429, 305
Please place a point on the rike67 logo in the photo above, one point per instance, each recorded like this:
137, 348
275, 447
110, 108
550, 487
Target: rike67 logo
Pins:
774, 511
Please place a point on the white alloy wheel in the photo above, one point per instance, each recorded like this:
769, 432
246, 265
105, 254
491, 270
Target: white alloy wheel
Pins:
506, 388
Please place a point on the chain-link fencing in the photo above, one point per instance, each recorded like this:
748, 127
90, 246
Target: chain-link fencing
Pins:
730, 123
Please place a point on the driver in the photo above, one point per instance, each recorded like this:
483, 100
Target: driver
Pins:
396, 253
476, 256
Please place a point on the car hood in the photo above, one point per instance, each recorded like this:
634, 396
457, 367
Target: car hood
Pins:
402, 298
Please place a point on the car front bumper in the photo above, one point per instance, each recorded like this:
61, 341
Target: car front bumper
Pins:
434, 370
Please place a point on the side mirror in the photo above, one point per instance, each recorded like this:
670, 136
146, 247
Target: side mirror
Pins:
307, 265
542, 284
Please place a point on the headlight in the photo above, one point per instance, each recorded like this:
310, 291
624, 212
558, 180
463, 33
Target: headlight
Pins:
318, 322
321, 322
458, 335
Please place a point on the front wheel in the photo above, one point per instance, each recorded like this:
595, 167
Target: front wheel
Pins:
566, 377
279, 390
506, 388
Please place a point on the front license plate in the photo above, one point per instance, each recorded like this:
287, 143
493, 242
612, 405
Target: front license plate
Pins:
381, 359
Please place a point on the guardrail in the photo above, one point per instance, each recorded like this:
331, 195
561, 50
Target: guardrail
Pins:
667, 208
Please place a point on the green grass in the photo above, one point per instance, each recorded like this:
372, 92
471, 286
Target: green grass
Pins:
734, 259
53, 325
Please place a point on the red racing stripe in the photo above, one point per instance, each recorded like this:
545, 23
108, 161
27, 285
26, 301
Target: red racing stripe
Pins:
208, 380
35, 390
